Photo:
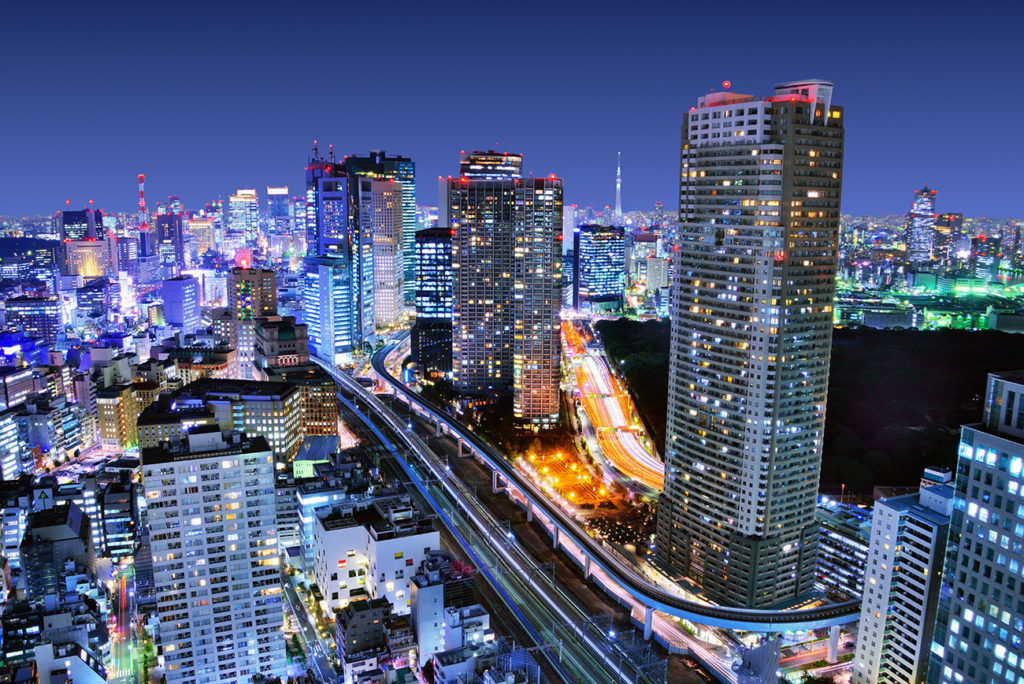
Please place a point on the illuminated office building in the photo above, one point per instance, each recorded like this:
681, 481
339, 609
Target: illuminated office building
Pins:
432, 333
243, 217
170, 244
599, 273
333, 230
90, 258
752, 301
213, 533
979, 633
359, 209
506, 261
39, 317
277, 210
252, 292
201, 228
181, 303
921, 226
402, 171
388, 291
84, 224
327, 308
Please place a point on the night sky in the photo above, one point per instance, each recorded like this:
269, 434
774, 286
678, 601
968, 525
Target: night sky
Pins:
209, 96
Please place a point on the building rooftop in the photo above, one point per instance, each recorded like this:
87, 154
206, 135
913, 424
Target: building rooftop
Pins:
203, 442
209, 388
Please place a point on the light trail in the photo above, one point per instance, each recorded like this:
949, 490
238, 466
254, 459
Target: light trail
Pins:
607, 407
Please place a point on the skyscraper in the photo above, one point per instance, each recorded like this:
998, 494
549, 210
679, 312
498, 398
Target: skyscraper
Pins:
252, 292
921, 221
901, 587
243, 217
213, 533
201, 228
388, 290
980, 630
599, 271
401, 170
181, 303
170, 244
277, 210
760, 183
432, 333
327, 308
337, 228
80, 225
506, 260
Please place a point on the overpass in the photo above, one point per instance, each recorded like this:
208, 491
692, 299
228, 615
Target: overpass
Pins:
623, 574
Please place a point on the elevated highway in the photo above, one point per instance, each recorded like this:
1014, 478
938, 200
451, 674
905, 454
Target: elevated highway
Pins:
628, 577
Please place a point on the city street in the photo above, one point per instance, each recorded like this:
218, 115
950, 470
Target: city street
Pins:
316, 651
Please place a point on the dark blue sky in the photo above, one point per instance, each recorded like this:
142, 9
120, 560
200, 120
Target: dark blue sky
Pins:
204, 97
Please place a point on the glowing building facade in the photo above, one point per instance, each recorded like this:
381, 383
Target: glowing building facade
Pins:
921, 220
506, 261
760, 182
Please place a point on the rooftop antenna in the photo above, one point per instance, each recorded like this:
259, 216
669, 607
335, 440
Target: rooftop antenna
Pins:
331, 148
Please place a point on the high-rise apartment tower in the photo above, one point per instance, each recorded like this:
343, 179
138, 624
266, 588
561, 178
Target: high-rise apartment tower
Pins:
506, 261
760, 181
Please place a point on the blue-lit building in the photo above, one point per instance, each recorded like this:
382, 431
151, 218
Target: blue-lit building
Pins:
842, 549
39, 317
377, 164
170, 244
333, 230
93, 298
327, 308
18, 349
432, 333
277, 210
181, 303
979, 633
599, 269
84, 224
921, 224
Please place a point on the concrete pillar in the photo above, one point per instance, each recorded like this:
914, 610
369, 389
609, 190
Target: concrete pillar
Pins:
833, 644
460, 448
529, 511
558, 538
495, 486
586, 567
648, 622
437, 431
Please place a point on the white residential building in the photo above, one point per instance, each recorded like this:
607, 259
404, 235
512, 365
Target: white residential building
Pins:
901, 586
372, 548
210, 504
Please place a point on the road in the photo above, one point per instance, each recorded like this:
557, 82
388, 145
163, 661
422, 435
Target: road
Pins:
609, 408
545, 609
633, 579
316, 657
124, 653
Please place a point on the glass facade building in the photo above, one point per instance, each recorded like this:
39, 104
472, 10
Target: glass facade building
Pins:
327, 308
599, 273
432, 333
921, 220
980, 632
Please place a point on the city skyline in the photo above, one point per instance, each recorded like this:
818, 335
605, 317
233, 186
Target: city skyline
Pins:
629, 100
